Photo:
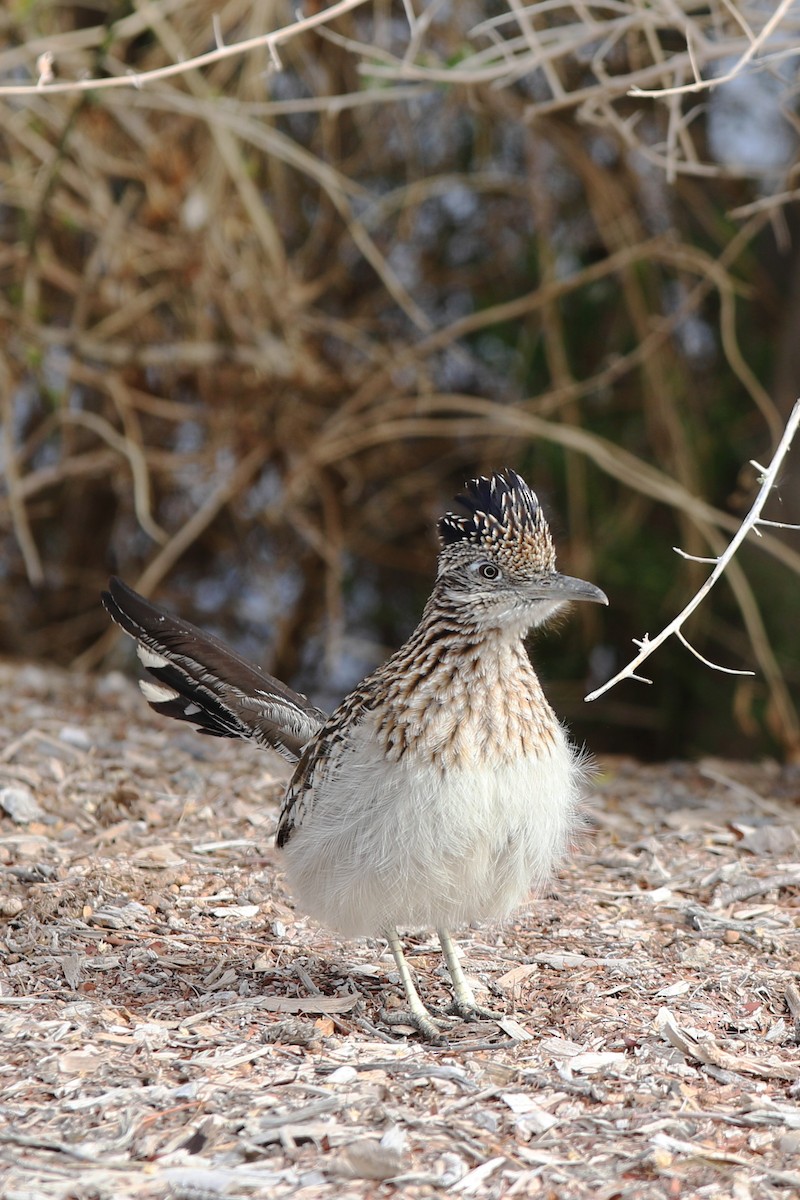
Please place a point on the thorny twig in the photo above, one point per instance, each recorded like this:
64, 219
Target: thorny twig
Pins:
752, 521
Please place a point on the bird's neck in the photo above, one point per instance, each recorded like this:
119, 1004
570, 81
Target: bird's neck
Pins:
458, 693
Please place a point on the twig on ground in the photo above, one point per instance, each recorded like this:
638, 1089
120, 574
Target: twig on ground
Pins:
728, 895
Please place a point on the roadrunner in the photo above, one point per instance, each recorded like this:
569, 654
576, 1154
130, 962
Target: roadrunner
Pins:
443, 788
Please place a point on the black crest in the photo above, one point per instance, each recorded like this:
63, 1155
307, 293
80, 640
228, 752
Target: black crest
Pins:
503, 500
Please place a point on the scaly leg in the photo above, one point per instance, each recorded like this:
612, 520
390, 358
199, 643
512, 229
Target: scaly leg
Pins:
464, 1003
416, 1014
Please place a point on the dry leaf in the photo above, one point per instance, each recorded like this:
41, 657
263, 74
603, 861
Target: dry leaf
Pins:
531, 1118
81, 1062
512, 980
369, 1159
514, 1030
707, 1051
674, 989
245, 912
71, 966
477, 1176
163, 855
560, 1047
594, 1061
780, 840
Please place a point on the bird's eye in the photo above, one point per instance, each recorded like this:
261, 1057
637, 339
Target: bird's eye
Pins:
489, 570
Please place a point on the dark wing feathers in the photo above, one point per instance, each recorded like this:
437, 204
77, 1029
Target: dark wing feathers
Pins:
197, 678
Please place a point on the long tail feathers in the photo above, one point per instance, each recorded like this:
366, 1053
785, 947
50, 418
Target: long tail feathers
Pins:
197, 678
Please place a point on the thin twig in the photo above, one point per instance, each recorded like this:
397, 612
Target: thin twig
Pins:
649, 644
179, 543
708, 84
136, 459
707, 661
268, 41
16, 501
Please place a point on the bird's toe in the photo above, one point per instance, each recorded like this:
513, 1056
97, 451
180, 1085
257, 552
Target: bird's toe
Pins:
427, 1026
472, 1011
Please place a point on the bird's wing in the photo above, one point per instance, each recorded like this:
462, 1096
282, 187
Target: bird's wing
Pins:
197, 678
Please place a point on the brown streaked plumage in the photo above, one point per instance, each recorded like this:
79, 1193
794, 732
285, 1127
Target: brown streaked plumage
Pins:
443, 788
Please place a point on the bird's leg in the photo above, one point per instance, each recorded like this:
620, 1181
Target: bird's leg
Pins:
416, 1014
464, 1003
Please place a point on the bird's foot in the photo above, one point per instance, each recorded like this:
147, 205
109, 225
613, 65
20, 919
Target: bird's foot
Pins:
427, 1026
464, 1004
470, 1010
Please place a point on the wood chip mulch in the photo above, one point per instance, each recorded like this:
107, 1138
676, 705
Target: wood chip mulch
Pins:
172, 1028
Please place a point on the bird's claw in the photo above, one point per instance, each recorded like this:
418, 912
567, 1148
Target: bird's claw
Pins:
428, 1027
468, 1010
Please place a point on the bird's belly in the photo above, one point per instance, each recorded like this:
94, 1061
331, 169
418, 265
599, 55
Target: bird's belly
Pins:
410, 845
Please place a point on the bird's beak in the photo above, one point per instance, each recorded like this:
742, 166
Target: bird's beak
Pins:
565, 588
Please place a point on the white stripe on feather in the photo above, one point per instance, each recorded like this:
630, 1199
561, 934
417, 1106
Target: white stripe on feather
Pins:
149, 658
157, 693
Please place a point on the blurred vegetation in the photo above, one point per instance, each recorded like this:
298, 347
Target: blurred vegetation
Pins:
259, 324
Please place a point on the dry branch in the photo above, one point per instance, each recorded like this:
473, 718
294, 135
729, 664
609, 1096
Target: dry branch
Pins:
423, 246
756, 43
722, 563
151, 13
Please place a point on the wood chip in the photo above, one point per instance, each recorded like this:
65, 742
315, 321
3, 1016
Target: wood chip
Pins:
244, 1053
708, 1051
309, 1004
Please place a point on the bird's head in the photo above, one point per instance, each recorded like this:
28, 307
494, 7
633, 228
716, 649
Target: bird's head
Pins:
497, 564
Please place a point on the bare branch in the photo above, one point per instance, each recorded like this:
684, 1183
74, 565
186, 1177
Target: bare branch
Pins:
694, 557
751, 520
16, 501
270, 41
707, 85
707, 661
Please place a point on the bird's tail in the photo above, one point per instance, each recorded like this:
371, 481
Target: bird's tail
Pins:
197, 678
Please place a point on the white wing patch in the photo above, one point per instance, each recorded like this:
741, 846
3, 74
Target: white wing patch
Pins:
149, 658
157, 693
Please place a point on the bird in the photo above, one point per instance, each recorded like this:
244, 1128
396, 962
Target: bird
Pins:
443, 789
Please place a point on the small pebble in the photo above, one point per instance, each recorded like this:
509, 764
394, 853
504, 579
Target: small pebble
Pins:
73, 735
20, 804
343, 1075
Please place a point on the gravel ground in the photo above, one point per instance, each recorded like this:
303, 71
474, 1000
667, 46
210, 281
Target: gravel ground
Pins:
172, 1028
